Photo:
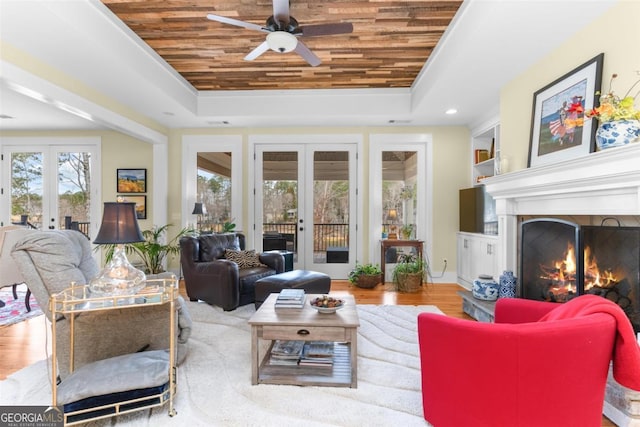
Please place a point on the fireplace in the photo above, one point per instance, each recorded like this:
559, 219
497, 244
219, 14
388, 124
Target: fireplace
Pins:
560, 260
602, 184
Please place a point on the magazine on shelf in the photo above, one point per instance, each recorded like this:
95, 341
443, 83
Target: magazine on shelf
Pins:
286, 352
287, 348
318, 349
317, 353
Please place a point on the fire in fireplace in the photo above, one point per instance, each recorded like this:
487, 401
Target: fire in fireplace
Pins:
560, 260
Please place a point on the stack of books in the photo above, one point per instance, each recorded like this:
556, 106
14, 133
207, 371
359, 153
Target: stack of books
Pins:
285, 352
318, 354
290, 298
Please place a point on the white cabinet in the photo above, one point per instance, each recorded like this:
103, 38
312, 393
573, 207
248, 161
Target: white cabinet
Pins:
477, 254
485, 153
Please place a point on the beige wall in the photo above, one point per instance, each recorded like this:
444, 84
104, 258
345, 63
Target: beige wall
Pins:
616, 33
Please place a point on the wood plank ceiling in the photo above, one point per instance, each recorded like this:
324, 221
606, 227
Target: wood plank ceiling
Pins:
390, 43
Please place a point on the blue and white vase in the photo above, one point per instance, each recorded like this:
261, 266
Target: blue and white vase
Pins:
617, 133
485, 288
507, 285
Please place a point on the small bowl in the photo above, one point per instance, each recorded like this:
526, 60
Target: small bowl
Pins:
326, 310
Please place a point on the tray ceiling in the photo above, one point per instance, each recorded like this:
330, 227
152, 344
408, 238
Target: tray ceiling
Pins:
390, 43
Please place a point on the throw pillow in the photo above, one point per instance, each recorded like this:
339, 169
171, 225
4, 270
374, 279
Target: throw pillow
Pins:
244, 259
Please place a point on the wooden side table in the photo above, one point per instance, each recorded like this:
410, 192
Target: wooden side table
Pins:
389, 243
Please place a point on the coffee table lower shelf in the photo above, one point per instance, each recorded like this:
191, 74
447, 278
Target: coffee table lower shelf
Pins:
338, 375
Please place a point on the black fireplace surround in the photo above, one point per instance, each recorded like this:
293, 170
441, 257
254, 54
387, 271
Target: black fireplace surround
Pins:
560, 260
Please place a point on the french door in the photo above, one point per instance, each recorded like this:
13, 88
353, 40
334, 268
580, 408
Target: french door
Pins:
306, 203
51, 186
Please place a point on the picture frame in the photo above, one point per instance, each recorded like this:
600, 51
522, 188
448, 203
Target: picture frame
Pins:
140, 201
131, 181
559, 129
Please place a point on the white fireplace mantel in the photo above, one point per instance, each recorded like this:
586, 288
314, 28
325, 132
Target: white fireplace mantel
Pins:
601, 183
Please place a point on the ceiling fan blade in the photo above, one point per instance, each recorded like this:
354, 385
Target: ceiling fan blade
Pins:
307, 55
281, 11
237, 23
262, 48
326, 29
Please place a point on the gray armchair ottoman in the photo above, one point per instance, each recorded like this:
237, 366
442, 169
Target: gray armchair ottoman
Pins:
312, 282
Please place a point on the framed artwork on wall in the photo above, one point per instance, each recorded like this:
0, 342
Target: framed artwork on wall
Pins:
131, 181
559, 129
140, 201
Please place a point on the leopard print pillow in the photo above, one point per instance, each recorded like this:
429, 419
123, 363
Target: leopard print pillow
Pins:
244, 259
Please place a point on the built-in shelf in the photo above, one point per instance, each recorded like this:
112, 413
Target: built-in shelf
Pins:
486, 139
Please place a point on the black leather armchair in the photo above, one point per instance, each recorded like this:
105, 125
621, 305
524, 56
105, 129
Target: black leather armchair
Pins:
209, 277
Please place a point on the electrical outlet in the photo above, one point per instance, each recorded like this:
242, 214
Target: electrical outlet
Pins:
444, 260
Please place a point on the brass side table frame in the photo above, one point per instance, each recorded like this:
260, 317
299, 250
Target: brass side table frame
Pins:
77, 299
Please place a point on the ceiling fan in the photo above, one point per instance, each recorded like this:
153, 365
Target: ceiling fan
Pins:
283, 32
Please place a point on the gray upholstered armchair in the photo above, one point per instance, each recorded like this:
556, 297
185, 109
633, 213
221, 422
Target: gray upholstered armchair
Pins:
49, 261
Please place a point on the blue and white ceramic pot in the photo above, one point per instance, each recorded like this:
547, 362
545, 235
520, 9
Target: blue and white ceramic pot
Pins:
485, 288
617, 133
507, 285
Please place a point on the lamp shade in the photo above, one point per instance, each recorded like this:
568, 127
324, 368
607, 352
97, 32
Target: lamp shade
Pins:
197, 209
119, 224
392, 215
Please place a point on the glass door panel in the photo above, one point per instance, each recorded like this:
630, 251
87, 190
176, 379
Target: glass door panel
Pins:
331, 207
51, 187
74, 191
280, 201
27, 190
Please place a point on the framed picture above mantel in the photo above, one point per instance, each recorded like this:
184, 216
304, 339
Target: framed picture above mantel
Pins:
559, 129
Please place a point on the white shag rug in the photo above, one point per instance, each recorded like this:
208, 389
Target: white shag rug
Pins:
214, 383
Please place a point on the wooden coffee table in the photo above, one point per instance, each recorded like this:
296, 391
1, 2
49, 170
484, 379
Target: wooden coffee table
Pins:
341, 328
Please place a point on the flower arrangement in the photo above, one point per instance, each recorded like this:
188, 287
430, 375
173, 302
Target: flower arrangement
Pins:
613, 108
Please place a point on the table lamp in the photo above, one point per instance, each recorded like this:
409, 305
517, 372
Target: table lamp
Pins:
198, 209
392, 217
119, 226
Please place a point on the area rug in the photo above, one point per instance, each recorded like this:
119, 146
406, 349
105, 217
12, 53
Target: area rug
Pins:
14, 310
214, 383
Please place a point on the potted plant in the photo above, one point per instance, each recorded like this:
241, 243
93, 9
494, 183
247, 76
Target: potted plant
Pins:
153, 250
406, 231
229, 226
409, 273
365, 276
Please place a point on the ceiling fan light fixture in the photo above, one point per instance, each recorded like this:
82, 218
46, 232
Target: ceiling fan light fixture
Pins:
281, 41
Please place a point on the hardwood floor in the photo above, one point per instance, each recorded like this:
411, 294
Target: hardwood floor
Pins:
25, 343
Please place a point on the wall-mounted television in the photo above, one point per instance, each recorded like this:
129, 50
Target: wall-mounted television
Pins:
478, 211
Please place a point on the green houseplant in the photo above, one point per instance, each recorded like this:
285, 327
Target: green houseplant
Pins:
153, 250
406, 231
365, 275
409, 273
228, 226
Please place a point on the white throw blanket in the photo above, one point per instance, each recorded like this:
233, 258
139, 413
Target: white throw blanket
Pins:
214, 383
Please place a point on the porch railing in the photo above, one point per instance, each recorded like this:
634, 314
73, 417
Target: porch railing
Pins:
324, 235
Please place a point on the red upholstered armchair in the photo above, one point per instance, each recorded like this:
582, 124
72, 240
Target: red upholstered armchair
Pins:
540, 364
